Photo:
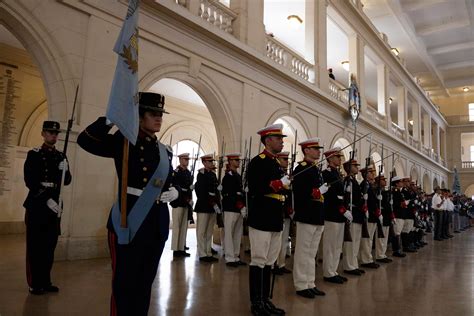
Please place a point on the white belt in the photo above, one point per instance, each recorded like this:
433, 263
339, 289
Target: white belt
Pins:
133, 191
48, 184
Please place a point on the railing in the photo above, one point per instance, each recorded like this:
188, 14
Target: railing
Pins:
285, 56
397, 131
338, 91
413, 142
467, 164
458, 119
376, 116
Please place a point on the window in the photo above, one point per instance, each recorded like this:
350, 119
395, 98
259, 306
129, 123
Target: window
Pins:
471, 150
471, 112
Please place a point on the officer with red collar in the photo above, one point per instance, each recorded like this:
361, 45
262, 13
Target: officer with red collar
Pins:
134, 264
42, 172
267, 182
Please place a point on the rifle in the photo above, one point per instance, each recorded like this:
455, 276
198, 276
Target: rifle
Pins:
380, 233
292, 166
66, 142
365, 229
193, 168
390, 197
219, 217
245, 175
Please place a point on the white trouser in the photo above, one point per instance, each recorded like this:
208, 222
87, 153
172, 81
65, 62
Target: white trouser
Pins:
365, 253
233, 228
307, 243
284, 242
179, 228
408, 225
351, 249
398, 227
332, 247
204, 229
265, 247
381, 244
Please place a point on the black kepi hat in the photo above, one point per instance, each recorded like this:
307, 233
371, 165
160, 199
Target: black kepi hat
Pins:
150, 101
51, 126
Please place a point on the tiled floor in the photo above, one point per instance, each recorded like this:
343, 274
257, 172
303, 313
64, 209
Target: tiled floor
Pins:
436, 281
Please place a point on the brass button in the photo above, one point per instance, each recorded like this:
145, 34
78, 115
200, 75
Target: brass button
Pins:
145, 179
148, 138
145, 169
142, 160
141, 147
46, 170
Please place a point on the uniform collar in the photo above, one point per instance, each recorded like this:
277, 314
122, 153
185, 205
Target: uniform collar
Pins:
146, 137
48, 148
269, 154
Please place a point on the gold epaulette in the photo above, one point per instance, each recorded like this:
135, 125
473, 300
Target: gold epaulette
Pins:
303, 163
262, 156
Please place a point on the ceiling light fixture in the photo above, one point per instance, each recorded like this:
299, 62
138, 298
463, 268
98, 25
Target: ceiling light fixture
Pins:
395, 51
295, 21
345, 65
465, 89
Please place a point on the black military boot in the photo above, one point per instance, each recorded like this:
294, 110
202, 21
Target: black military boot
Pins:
411, 242
396, 247
267, 273
255, 288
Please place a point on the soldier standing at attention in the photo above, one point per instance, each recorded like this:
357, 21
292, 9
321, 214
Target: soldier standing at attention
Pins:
233, 205
308, 188
134, 264
335, 217
387, 217
207, 206
42, 172
399, 211
181, 178
267, 183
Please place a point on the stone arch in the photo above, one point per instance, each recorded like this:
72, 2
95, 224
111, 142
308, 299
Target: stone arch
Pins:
376, 158
47, 55
435, 182
188, 130
426, 183
414, 173
399, 170
206, 89
29, 136
469, 192
343, 142
443, 184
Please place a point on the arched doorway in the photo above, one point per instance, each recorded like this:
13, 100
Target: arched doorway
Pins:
342, 142
435, 183
469, 192
295, 134
377, 160
443, 184
399, 170
414, 174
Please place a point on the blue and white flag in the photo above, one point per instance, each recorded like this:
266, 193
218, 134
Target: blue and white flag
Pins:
122, 109
456, 182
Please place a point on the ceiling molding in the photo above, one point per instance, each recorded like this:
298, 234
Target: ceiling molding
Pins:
421, 5
406, 24
451, 48
456, 65
443, 26
467, 81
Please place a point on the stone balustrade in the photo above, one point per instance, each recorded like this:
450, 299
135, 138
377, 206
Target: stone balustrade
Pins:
338, 91
215, 13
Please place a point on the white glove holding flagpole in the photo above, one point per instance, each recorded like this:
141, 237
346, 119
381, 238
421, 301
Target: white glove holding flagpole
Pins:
54, 206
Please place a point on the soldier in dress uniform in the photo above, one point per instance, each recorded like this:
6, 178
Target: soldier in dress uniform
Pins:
399, 209
407, 234
437, 203
283, 159
135, 263
335, 217
233, 205
387, 217
267, 183
351, 249
42, 173
207, 206
375, 215
183, 179
308, 189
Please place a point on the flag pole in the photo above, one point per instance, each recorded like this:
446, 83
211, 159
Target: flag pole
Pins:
123, 188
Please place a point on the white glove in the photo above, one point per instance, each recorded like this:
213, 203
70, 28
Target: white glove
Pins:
219, 188
169, 196
348, 189
394, 223
285, 181
109, 123
379, 197
191, 203
243, 211
191, 187
365, 196
63, 165
348, 215
367, 214
381, 219
217, 209
246, 190
391, 202
54, 206
324, 188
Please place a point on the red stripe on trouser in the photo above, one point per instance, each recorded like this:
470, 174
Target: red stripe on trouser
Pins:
113, 308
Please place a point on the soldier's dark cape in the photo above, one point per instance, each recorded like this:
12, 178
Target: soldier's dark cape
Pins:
308, 210
265, 213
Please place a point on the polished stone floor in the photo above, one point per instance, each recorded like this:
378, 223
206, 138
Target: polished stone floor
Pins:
439, 280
